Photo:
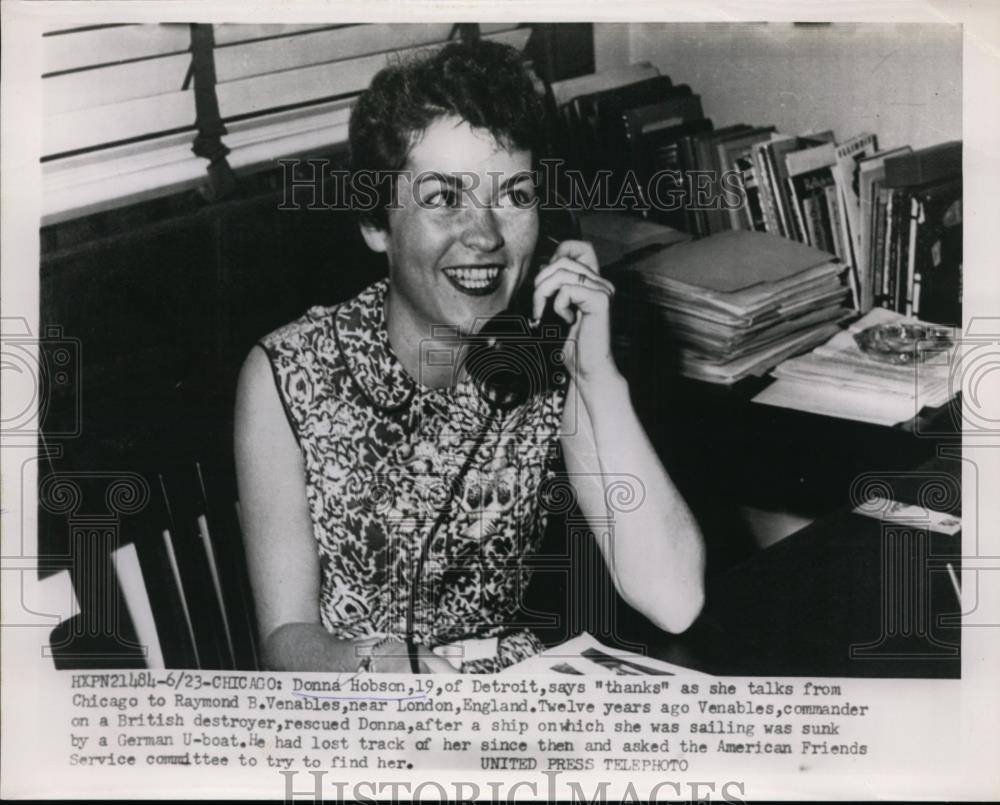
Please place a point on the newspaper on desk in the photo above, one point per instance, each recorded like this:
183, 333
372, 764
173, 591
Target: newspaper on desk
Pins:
584, 654
838, 379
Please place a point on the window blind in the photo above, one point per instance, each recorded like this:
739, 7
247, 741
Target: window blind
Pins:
119, 104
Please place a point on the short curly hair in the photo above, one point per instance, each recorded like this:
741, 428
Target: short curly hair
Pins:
482, 82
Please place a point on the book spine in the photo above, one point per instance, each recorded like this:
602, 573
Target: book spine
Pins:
895, 279
716, 219
725, 216
888, 281
911, 256
746, 221
866, 270
847, 156
814, 220
902, 240
787, 198
878, 247
863, 256
752, 218
833, 209
841, 249
766, 198
797, 210
741, 218
772, 174
668, 158
902, 207
692, 216
825, 219
843, 221
836, 212
807, 218
890, 247
938, 264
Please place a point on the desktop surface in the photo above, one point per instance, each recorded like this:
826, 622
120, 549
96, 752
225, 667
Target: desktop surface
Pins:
848, 596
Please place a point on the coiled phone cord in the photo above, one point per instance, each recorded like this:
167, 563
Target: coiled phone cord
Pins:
411, 647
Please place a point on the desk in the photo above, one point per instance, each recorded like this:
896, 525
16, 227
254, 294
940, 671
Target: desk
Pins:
724, 451
720, 445
846, 596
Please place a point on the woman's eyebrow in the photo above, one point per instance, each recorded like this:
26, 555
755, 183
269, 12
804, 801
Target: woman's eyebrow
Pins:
517, 177
455, 180
449, 180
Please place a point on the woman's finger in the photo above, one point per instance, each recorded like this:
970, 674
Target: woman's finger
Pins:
550, 285
579, 250
570, 297
564, 261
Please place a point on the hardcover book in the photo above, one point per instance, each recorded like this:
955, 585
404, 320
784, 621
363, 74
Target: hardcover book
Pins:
925, 165
871, 173
809, 174
847, 173
736, 155
937, 258
778, 150
715, 219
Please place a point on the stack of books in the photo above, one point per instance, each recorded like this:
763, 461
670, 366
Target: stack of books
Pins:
893, 217
739, 302
911, 249
840, 379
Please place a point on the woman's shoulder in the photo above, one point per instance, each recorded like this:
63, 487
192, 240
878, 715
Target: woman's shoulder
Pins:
316, 329
312, 325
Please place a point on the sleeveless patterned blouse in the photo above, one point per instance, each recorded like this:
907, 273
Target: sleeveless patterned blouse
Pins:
381, 452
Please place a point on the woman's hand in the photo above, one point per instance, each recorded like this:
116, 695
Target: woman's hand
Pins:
573, 281
391, 658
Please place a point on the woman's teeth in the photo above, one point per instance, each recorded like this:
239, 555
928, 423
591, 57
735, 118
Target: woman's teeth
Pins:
474, 278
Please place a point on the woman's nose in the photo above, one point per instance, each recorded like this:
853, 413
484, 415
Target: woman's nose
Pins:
480, 230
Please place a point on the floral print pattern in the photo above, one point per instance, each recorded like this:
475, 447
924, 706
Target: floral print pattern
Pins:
381, 452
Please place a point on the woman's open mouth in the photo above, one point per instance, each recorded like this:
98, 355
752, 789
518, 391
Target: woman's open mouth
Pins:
475, 280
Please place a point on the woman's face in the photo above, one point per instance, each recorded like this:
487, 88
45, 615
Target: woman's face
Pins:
463, 230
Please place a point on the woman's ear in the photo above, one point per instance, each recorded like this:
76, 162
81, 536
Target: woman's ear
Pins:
374, 237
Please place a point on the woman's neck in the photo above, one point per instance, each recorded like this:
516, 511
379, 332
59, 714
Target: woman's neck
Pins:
413, 343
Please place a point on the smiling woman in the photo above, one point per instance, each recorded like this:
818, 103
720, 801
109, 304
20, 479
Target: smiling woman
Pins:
388, 505
456, 253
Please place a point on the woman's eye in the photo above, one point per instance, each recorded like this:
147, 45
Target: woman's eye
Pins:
443, 198
521, 197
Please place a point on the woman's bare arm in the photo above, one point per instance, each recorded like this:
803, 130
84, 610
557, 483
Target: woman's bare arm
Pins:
281, 551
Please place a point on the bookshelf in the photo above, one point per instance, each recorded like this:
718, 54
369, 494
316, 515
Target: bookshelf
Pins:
822, 104
808, 115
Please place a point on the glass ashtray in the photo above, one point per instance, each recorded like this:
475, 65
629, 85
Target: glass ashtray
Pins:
903, 344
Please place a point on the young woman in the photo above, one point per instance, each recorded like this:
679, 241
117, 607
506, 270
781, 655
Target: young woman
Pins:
387, 506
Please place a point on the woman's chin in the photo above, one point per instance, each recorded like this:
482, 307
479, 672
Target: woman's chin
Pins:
478, 314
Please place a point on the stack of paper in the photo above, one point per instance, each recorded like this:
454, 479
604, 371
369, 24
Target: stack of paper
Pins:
739, 302
839, 379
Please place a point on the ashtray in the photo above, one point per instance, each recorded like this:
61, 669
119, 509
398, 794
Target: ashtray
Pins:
903, 344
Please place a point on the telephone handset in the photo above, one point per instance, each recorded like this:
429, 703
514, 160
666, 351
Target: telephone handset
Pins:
511, 360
